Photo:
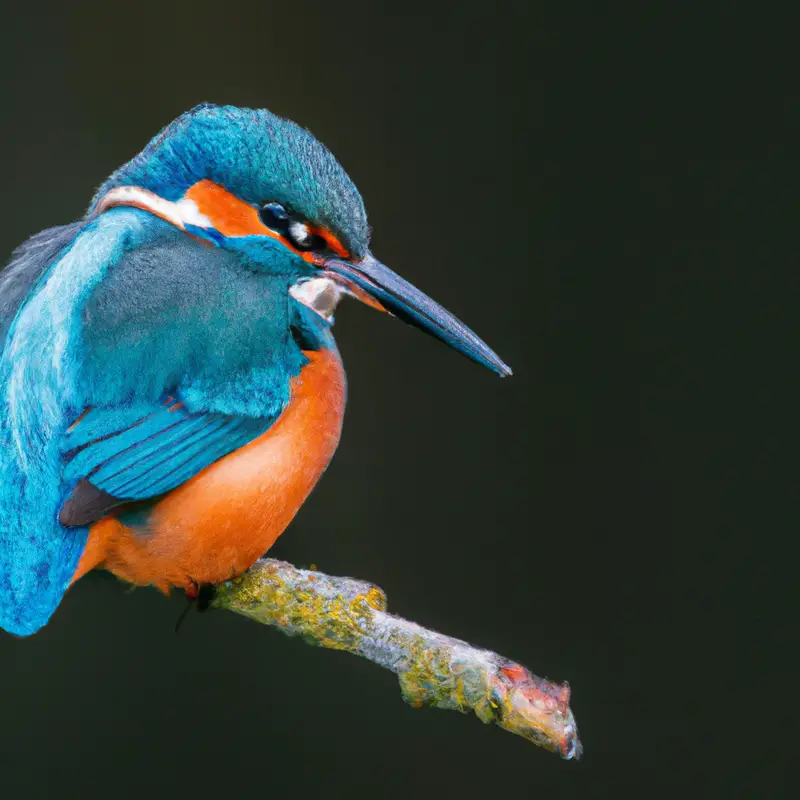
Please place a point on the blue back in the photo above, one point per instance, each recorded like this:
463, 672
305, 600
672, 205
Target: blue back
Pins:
127, 311
28, 263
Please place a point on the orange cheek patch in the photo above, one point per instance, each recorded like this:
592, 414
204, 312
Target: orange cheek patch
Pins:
229, 215
233, 217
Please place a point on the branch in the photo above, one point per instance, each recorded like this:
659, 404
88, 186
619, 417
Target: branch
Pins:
434, 670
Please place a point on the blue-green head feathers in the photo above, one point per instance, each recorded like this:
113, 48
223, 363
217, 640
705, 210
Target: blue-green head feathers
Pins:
257, 156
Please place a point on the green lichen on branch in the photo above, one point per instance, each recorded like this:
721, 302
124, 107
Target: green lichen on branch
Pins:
433, 669
325, 611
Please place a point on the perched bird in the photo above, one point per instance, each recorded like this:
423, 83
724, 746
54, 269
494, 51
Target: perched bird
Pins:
170, 391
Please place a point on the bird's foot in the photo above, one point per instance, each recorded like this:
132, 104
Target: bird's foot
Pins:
199, 595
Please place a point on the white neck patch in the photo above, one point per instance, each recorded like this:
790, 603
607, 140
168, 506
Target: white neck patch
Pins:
321, 295
182, 213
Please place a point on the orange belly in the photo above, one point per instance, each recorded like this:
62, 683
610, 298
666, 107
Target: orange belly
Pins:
217, 524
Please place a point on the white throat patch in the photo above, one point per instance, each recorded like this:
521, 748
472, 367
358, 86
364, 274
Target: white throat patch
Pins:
321, 295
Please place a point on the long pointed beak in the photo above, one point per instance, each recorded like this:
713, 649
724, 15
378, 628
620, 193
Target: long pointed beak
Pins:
406, 302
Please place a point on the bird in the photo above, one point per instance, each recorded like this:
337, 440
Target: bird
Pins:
170, 388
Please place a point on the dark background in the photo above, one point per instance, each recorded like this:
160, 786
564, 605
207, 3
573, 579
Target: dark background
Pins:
605, 196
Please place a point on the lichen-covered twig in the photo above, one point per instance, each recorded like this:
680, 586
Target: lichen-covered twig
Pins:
434, 670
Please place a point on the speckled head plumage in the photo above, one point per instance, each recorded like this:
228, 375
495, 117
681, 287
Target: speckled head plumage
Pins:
256, 156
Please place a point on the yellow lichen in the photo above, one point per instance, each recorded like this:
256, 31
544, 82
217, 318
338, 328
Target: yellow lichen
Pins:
377, 599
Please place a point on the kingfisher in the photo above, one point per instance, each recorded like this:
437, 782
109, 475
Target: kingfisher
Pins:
170, 389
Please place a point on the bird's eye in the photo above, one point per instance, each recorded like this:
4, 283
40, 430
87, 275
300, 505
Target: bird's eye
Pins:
293, 228
274, 216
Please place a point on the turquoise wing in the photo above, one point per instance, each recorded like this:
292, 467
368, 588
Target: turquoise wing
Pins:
115, 456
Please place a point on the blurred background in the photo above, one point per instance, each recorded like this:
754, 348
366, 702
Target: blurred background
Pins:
599, 194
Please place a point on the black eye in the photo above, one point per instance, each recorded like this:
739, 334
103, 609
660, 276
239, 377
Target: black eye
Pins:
274, 216
291, 226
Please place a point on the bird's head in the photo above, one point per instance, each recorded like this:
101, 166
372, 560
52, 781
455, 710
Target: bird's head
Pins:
266, 189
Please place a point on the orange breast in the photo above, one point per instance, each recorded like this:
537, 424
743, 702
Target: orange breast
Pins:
218, 523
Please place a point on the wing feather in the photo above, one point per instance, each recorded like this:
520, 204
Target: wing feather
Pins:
138, 459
